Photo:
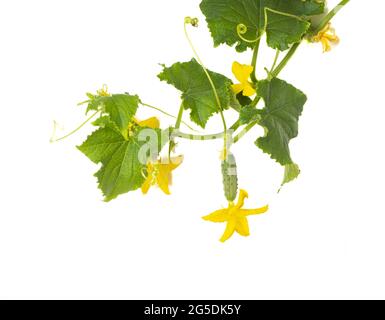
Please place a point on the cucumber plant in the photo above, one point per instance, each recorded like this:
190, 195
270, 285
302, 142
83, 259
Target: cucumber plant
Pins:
137, 154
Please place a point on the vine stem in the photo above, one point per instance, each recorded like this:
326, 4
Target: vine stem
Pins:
52, 140
275, 61
211, 83
179, 118
254, 61
178, 122
245, 131
285, 60
197, 137
236, 125
331, 15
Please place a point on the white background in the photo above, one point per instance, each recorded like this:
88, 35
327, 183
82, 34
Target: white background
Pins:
324, 234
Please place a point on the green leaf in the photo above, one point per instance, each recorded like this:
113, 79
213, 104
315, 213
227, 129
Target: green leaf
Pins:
292, 172
284, 29
223, 17
93, 104
101, 144
119, 107
283, 107
197, 93
121, 172
123, 160
105, 122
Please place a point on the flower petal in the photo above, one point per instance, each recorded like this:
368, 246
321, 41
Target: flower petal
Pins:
146, 185
242, 227
221, 215
332, 37
150, 123
249, 91
237, 88
237, 71
242, 71
163, 179
241, 200
250, 212
230, 229
325, 44
175, 162
149, 178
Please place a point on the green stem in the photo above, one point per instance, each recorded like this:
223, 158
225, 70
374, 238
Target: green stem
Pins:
285, 60
331, 15
235, 125
179, 118
208, 77
255, 102
52, 140
245, 130
254, 61
178, 122
275, 60
199, 137
212, 85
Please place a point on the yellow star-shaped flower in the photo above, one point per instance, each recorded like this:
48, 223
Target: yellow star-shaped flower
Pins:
242, 72
160, 173
327, 36
235, 216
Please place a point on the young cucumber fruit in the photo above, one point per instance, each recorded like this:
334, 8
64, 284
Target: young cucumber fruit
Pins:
230, 178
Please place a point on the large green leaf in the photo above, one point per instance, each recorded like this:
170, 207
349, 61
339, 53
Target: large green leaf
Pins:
122, 171
283, 107
284, 29
224, 16
197, 93
119, 107
123, 160
101, 144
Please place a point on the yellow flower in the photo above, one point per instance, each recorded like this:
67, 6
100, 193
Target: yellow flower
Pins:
152, 123
103, 92
242, 72
160, 173
327, 36
235, 216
